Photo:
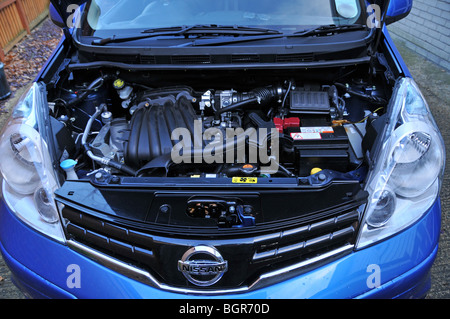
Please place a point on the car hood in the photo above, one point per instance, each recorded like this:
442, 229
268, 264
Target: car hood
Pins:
66, 8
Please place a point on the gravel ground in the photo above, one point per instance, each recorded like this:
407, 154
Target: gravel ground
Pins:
29, 56
31, 53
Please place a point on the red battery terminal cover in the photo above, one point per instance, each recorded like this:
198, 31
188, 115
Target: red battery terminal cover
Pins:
282, 124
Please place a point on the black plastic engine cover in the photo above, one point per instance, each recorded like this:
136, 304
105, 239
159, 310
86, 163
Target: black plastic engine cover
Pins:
152, 127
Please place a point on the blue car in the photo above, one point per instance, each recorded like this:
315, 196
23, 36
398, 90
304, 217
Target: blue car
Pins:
222, 149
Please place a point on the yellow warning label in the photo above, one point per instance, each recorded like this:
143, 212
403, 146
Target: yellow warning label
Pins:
245, 180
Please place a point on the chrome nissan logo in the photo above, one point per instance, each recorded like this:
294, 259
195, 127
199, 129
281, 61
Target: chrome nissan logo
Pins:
202, 265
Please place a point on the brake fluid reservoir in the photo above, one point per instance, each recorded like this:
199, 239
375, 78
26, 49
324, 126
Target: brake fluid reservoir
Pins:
124, 92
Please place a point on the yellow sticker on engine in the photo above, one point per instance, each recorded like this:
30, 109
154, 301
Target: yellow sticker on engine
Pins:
245, 180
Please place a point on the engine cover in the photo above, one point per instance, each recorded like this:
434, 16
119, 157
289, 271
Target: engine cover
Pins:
151, 129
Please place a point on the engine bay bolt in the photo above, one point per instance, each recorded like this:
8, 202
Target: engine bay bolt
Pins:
106, 117
115, 179
164, 209
99, 177
248, 210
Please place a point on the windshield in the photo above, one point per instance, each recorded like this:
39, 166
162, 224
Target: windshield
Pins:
286, 15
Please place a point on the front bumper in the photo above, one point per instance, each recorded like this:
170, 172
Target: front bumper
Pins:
42, 268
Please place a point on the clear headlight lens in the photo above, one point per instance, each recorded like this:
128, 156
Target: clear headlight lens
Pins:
383, 202
21, 161
405, 181
26, 166
419, 158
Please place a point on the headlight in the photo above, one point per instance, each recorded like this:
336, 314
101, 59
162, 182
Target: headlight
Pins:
405, 181
21, 160
29, 181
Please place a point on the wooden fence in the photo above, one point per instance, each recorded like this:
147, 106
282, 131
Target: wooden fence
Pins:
17, 18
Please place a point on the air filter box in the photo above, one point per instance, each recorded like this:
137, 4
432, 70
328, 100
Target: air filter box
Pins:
309, 102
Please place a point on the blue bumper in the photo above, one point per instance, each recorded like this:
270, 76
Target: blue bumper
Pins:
40, 266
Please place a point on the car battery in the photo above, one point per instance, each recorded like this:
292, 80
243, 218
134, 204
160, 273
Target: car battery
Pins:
320, 147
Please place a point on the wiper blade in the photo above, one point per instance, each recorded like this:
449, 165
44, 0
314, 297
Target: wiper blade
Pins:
321, 30
174, 32
188, 30
214, 28
328, 29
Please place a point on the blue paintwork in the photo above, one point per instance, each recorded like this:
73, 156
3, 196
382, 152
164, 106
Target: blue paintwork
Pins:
55, 16
404, 260
399, 8
393, 52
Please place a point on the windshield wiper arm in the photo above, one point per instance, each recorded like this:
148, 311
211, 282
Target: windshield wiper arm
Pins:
185, 30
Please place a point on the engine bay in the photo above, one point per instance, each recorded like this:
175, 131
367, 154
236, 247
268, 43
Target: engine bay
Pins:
223, 124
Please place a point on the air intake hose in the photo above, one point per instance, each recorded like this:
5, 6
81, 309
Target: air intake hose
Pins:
262, 96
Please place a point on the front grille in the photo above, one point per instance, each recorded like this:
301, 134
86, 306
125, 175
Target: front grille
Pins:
307, 239
123, 243
249, 257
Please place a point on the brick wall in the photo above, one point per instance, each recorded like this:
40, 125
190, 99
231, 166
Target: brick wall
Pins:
426, 30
